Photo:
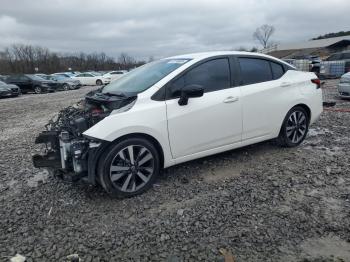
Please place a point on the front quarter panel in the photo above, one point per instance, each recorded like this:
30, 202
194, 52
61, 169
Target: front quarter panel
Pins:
145, 117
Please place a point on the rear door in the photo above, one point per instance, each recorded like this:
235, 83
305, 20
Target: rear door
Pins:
90, 79
81, 78
263, 92
206, 122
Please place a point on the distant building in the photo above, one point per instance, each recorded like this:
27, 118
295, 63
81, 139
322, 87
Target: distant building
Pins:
322, 48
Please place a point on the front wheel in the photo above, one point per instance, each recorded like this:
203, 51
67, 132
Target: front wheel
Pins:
38, 90
65, 87
129, 168
99, 82
294, 128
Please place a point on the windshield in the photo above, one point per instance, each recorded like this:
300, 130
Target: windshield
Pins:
142, 78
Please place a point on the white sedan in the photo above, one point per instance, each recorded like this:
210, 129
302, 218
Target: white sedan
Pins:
182, 108
114, 75
92, 79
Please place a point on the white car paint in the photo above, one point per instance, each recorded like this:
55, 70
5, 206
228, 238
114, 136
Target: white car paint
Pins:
114, 75
91, 79
217, 121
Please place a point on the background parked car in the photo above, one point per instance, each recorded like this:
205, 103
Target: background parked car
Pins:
8, 90
67, 74
114, 75
342, 56
92, 79
3, 78
64, 83
32, 83
344, 86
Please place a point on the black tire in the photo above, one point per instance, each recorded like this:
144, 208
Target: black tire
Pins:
293, 132
38, 90
117, 157
65, 87
99, 82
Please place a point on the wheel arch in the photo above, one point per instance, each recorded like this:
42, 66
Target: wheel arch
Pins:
302, 105
306, 108
148, 137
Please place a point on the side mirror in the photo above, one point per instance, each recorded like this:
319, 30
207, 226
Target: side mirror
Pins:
190, 91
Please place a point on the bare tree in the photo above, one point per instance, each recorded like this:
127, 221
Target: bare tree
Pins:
126, 61
263, 34
19, 58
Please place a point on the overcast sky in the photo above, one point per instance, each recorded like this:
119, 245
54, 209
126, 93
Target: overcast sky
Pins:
164, 27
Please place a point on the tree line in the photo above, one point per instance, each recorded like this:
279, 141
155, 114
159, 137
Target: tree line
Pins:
330, 35
20, 58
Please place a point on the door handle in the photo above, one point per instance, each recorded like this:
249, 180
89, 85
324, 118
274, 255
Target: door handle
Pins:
285, 84
231, 99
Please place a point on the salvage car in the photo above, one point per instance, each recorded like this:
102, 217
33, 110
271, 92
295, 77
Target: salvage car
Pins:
64, 83
7, 90
178, 109
92, 79
344, 86
32, 83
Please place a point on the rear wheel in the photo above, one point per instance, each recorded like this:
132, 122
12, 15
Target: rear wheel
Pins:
129, 168
99, 82
38, 90
294, 128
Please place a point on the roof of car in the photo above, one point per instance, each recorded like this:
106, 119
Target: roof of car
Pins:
203, 55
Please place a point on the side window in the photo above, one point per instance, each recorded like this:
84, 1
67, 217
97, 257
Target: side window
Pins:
11, 78
277, 70
212, 76
346, 56
23, 78
254, 70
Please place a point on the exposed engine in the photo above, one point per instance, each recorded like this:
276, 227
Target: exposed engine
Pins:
66, 148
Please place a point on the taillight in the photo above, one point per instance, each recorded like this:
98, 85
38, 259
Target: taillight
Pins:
317, 82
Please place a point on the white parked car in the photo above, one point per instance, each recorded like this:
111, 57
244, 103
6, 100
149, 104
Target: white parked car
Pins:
344, 86
178, 109
114, 75
92, 79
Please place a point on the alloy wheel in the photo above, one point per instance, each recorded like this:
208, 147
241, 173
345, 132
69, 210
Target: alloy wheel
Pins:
37, 89
131, 168
296, 126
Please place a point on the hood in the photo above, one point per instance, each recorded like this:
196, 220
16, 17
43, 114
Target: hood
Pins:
345, 78
8, 87
108, 101
5, 88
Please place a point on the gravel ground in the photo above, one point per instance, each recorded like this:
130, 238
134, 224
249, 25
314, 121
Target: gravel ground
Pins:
262, 202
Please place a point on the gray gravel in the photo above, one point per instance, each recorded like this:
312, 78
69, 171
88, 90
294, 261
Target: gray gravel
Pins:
262, 202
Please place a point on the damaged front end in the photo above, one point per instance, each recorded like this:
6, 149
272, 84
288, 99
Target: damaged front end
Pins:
69, 153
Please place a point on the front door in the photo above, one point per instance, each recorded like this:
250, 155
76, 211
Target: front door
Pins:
206, 122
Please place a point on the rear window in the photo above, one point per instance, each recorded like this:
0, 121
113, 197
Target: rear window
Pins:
254, 70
